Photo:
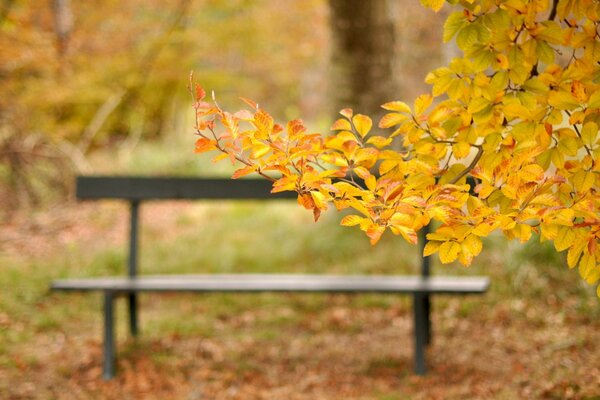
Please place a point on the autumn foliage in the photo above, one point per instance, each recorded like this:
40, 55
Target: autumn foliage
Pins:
518, 113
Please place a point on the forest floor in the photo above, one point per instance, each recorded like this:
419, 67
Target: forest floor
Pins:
536, 334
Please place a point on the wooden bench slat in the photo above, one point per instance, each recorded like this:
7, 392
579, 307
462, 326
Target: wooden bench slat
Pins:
280, 283
164, 188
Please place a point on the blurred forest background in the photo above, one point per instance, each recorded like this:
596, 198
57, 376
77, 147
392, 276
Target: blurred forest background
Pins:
99, 87
90, 87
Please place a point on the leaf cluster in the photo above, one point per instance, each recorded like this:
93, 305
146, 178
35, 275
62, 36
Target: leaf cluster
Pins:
518, 113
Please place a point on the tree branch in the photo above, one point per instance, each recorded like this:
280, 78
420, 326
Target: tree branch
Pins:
469, 168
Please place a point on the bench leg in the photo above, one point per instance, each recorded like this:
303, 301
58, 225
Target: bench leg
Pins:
420, 320
133, 315
427, 307
108, 371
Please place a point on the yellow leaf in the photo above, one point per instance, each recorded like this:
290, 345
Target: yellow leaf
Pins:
461, 149
594, 100
319, 199
564, 239
568, 146
573, 255
263, 122
379, 141
593, 274
407, 233
422, 102
341, 125
435, 5
587, 264
259, 150
371, 182
362, 123
589, 133
431, 247
473, 244
285, 183
531, 173
583, 180
562, 100
399, 106
449, 252
351, 220
392, 119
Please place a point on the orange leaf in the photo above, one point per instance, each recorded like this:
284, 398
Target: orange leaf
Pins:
200, 92
251, 103
374, 233
204, 144
242, 172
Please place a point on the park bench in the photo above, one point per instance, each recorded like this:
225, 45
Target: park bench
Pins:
135, 190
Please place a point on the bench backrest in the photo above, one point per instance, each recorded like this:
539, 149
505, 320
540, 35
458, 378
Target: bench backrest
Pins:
138, 189
169, 188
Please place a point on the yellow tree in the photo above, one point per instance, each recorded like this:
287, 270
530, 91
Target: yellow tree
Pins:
518, 113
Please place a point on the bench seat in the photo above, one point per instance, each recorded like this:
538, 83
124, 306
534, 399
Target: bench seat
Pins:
279, 283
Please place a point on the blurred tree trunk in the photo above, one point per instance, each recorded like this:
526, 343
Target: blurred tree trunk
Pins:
363, 55
63, 24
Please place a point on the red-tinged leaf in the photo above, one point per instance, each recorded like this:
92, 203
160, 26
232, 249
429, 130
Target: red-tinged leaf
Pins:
204, 145
351, 220
295, 127
243, 172
341, 125
251, 103
347, 112
200, 92
316, 214
306, 201
202, 107
277, 128
331, 188
244, 115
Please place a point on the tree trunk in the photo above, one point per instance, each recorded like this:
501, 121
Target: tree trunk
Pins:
363, 55
63, 24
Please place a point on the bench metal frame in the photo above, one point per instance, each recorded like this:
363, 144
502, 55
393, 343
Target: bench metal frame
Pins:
138, 189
